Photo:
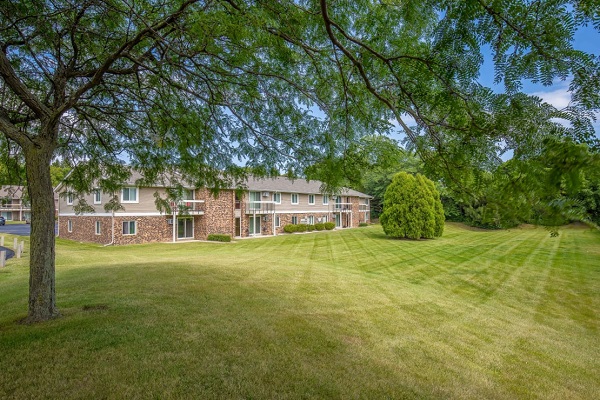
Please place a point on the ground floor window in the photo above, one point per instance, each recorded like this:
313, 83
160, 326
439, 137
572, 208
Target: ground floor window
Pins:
294, 220
325, 219
185, 228
311, 220
98, 227
277, 221
70, 226
254, 228
129, 228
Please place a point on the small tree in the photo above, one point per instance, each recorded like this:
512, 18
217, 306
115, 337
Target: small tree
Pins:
412, 208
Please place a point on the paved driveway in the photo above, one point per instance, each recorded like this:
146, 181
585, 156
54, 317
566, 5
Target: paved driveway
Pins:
16, 229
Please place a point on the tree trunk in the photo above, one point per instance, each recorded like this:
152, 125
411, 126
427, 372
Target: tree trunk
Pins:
42, 294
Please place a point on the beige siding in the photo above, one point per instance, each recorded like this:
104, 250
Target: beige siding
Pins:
145, 202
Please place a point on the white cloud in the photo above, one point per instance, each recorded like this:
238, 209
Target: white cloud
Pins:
559, 97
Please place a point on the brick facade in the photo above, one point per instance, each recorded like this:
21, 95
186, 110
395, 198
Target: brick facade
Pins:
219, 217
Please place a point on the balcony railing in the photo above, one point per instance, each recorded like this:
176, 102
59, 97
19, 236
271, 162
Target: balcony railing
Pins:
337, 207
260, 207
14, 207
191, 207
363, 207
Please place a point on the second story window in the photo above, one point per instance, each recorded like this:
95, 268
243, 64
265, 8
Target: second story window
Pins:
277, 198
70, 199
311, 199
325, 200
295, 198
97, 196
129, 195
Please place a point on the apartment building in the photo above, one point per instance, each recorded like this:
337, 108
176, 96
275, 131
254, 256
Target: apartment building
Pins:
262, 209
13, 203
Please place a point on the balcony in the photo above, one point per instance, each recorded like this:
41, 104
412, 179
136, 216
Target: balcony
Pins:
15, 207
190, 207
260, 207
342, 207
364, 207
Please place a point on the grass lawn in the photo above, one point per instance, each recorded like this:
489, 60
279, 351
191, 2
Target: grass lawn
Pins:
343, 314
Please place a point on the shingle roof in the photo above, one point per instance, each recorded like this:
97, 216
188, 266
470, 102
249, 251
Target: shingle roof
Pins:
284, 184
12, 191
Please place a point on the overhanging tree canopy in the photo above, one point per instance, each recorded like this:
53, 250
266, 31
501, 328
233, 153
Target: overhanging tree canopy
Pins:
203, 86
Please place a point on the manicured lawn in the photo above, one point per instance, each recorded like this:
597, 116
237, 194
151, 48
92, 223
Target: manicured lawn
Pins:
350, 314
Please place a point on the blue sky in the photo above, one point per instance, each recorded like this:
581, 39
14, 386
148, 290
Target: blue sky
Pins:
586, 39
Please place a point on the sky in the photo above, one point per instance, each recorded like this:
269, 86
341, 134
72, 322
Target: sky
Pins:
586, 39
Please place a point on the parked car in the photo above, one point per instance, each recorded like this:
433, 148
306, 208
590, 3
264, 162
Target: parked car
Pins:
2, 221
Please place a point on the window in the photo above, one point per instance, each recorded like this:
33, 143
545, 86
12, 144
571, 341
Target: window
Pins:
98, 227
325, 219
277, 198
129, 195
97, 196
70, 199
295, 198
325, 200
70, 226
311, 220
295, 220
311, 199
277, 222
129, 227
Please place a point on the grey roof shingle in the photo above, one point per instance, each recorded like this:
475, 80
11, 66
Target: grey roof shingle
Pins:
284, 184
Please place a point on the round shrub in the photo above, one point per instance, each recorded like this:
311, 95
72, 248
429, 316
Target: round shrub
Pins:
329, 225
412, 208
301, 228
289, 228
319, 226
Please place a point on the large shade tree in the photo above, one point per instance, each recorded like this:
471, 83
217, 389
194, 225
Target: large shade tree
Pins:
202, 86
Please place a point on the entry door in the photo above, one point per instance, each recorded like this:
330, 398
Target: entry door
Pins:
338, 220
238, 227
254, 228
185, 228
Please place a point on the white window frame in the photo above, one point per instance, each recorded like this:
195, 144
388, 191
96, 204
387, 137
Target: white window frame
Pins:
137, 194
70, 199
129, 228
295, 195
295, 220
277, 222
69, 226
277, 198
97, 196
324, 218
98, 228
311, 220
325, 200
311, 199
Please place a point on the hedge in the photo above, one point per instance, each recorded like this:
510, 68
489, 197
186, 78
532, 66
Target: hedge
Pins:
329, 225
219, 238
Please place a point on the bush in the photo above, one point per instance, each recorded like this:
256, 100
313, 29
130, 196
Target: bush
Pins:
219, 238
361, 224
310, 228
319, 226
412, 208
301, 228
329, 225
290, 228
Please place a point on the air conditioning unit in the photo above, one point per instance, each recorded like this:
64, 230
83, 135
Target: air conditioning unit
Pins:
265, 194
170, 221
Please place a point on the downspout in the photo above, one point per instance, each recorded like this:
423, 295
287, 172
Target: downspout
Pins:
112, 228
174, 223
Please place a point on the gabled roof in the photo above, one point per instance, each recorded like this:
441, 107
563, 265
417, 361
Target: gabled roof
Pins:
284, 184
12, 191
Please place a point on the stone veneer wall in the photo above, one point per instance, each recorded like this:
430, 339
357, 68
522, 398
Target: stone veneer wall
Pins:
84, 229
218, 215
149, 229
